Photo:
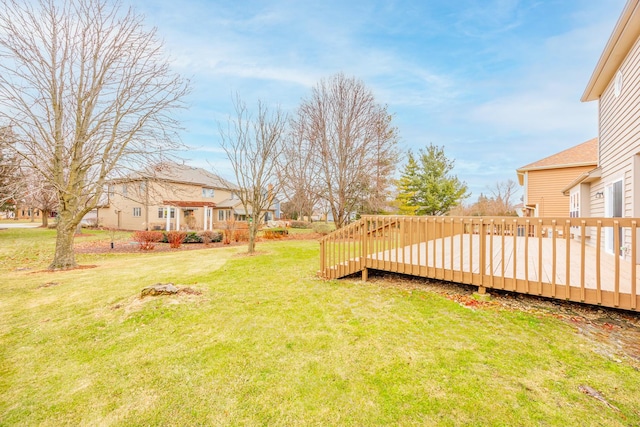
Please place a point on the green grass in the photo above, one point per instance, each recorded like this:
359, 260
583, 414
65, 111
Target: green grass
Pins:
267, 343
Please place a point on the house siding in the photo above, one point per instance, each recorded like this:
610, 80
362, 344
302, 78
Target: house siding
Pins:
544, 189
620, 133
150, 199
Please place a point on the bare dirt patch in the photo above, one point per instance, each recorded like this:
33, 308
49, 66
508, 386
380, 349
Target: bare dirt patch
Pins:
614, 334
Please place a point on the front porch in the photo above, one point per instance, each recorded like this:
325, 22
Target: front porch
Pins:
186, 215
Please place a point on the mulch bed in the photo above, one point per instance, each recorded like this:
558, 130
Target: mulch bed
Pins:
104, 247
120, 247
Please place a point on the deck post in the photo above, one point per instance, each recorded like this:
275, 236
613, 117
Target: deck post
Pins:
482, 294
365, 274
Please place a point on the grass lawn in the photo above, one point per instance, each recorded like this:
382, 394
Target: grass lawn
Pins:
267, 343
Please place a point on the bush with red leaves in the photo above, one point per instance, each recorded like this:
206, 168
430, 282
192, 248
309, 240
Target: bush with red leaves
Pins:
175, 238
147, 239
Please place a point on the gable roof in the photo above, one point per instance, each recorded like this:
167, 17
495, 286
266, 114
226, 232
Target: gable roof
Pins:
584, 154
622, 39
175, 172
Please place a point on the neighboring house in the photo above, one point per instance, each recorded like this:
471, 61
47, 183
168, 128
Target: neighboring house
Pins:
170, 197
544, 180
613, 188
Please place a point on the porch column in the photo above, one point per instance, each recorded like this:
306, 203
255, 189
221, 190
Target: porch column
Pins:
204, 220
167, 212
177, 218
211, 218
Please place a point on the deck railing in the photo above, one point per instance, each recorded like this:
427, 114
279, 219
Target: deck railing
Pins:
590, 260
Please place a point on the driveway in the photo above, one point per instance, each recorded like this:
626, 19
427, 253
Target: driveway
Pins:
19, 224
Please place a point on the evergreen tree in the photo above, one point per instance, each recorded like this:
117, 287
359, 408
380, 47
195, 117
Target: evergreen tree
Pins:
427, 186
408, 187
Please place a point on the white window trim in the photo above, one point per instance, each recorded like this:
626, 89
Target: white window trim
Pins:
608, 231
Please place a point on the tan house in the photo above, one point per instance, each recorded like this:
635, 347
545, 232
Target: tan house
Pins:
545, 179
613, 188
171, 197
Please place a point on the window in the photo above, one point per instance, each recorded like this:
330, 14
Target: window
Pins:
162, 212
207, 192
220, 215
617, 84
574, 204
137, 212
143, 187
124, 189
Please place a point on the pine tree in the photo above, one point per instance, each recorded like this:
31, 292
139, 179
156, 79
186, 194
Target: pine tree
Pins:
407, 187
427, 186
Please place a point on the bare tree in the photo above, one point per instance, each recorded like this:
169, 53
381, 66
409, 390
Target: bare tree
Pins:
253, 146
297, 173
503, 192
10, 182
352, 145
39, 194
89, 94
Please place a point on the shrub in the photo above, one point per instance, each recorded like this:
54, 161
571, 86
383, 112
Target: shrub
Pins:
192, 237
175, 238
210, 236
321, 227
147, 239
275, 233
300, 224
241, 235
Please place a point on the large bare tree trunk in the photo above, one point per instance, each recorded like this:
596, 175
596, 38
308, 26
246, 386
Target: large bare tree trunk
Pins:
253, 232
45, 219
64, 257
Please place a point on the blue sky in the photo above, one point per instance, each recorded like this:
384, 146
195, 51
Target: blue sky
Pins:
496, 82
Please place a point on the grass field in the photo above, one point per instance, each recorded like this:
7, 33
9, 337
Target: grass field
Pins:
267, 343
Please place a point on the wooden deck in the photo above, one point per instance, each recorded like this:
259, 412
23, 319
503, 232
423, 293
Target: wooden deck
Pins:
533, 256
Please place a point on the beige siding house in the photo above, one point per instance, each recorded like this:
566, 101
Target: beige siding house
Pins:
545, 179
171, 197
613, 188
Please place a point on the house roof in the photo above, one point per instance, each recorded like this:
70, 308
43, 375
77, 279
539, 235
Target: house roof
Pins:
228, 203
175, 172
592, 175
237, 207
584, 154
622, 39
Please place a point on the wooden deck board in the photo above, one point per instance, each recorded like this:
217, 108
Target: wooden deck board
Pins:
422, 254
